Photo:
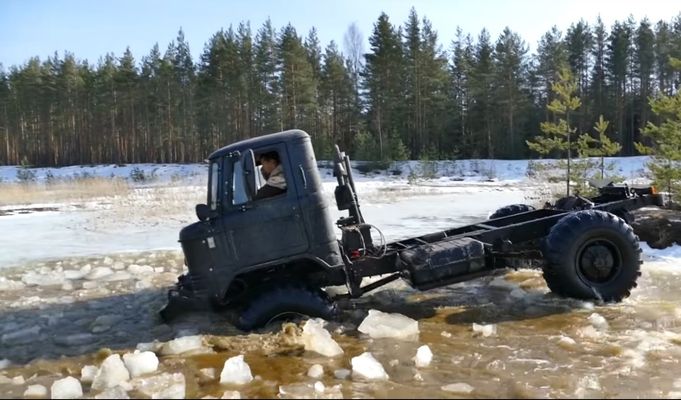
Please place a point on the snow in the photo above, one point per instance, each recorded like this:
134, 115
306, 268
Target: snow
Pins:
73, 227
111, 373
236, 371
67, 388
140, 363
367, 367
316, 338
386, 325
423, 356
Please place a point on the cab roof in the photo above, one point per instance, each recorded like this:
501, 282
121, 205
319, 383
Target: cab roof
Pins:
259, 141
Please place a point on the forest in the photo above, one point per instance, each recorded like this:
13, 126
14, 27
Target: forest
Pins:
407, 96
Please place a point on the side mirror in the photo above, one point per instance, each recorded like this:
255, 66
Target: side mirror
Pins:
203, 212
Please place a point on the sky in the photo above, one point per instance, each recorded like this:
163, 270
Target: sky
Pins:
91, 28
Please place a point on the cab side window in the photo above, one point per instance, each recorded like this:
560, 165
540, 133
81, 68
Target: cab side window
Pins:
272, 171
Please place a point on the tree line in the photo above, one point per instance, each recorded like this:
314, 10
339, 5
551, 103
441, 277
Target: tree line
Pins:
405, 97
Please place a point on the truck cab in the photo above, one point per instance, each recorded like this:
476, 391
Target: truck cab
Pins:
240, 242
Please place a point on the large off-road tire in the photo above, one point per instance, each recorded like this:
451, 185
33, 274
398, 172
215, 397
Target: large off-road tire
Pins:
511, 210
592, 254
626, 215
285, 301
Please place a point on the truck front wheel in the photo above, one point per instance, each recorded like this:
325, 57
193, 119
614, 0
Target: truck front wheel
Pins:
285, 301
592, 254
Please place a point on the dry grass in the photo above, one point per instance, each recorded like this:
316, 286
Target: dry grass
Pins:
155, 205
64, 191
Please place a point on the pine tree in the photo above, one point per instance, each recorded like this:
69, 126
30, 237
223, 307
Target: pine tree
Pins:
579, 44
666, 137
551, 58
604, 146
483, 116
510, 75
557, 136
383, 82
267, 110
298, 86
599, 90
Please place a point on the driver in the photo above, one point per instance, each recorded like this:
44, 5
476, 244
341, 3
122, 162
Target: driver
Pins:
274, 174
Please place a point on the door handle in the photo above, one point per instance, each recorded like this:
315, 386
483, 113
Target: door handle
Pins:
302, 174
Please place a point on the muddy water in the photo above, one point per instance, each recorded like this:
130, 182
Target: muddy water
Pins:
543, 346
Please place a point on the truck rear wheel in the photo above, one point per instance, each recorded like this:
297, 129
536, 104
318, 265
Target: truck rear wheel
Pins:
592, 254
513, 209
285, 301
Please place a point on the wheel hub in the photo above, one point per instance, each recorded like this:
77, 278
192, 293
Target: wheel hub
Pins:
597, 262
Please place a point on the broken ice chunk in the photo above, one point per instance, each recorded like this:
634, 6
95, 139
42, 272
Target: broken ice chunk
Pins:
35, 392
316, 338
140, 363
366, 366
113, 393
485, 330
67, 388
88, 373
111, 373
598, 322
236, 371
384, 325
183, 345
423, 356
164, 386
316, 371
458, 388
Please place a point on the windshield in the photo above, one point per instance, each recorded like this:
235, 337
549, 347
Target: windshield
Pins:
213, 179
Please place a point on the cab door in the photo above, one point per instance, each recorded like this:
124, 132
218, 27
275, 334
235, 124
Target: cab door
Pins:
266, 229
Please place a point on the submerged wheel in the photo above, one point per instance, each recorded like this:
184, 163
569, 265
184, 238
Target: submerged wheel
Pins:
511, 210
592, 254
286, 301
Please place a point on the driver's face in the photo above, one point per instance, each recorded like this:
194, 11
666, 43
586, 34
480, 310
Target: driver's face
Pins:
268, 166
